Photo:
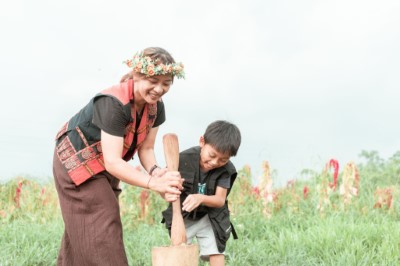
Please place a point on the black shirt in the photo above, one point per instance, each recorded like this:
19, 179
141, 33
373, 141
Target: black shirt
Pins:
109, 116
224, 182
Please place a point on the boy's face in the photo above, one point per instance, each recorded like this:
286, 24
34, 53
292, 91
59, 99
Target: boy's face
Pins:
210, 158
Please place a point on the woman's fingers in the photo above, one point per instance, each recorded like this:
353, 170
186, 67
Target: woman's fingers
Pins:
174, 179
173, 190
159, 172
170, 183
168, 187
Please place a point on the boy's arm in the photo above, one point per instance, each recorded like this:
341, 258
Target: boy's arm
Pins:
215, 201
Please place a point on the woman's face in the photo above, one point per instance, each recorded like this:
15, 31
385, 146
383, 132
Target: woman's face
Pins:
151, 89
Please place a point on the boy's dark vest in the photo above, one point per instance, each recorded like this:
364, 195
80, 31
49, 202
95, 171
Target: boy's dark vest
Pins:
79, 143
219, 217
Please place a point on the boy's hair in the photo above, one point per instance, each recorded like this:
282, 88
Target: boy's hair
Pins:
223, 136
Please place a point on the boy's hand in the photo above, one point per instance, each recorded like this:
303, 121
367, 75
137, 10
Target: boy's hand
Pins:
192, 202
169, 197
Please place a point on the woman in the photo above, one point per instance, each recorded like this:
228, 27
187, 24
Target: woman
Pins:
92, 150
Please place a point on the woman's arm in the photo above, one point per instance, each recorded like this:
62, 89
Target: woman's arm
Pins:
146, 150
215, 201
112, 147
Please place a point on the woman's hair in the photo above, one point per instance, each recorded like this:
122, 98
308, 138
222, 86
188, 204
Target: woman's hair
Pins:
157, 55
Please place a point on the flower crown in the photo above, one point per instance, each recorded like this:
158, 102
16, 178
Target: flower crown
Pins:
145, 65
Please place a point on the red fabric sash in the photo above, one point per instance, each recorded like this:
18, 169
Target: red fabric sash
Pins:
89, 161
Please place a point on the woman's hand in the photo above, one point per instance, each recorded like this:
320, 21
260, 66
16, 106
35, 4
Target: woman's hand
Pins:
159, 172
167, 183
192, 202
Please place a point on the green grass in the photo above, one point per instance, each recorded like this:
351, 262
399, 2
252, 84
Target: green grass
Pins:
295, 233
336, 239
29, 243
332, 240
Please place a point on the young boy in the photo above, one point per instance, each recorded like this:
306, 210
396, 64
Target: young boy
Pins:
209, 176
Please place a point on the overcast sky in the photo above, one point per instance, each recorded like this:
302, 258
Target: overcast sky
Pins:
305, 81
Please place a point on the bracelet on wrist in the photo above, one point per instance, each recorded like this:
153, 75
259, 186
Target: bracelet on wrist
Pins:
154, 167
148, 182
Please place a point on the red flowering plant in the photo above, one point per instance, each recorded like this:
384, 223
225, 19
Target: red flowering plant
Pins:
384, 198
306, 190
21, 198
325, 187
335, 165
18, 194
265, 189
144, 203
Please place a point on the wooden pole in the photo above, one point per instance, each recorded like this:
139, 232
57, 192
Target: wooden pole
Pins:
171, 152
179, 253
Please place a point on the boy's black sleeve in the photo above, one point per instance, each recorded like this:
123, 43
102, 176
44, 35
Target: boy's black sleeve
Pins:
224, 181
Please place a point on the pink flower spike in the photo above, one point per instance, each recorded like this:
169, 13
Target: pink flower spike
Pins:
335, 164
305, 192
256, 191
18, 193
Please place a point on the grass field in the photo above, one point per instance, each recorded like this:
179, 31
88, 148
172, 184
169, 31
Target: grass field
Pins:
338, 216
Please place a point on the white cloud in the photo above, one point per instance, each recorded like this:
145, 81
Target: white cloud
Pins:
305, 81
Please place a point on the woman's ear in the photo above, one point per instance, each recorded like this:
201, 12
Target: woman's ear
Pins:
201, 141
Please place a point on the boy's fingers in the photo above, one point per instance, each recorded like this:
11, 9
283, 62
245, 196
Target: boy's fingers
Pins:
171, 197
173, 190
